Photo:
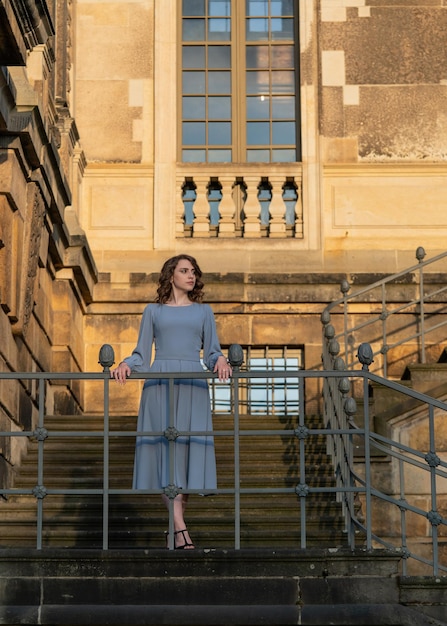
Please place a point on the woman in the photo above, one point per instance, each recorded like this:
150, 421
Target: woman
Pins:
180, 326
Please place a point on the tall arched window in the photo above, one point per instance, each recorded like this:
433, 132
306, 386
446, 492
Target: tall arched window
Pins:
239, 81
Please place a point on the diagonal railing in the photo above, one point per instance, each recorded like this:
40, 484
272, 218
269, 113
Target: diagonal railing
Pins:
403, 316
352, 487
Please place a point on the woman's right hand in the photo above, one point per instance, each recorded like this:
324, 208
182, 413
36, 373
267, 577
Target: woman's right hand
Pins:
120, 373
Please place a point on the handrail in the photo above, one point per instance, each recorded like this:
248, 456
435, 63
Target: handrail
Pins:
351, 489
398, 330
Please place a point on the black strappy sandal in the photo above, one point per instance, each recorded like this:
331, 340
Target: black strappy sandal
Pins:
186, 544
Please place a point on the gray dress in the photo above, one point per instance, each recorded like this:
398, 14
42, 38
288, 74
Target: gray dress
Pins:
179, 333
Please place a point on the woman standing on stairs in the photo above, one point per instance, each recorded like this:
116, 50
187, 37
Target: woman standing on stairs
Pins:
179, 326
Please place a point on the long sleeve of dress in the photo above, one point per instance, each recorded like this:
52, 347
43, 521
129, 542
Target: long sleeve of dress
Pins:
140, 359
211, 345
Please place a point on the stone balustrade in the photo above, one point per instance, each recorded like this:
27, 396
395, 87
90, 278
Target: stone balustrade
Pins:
239, 200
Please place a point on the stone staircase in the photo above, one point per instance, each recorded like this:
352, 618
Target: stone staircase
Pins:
139, 521
269, 581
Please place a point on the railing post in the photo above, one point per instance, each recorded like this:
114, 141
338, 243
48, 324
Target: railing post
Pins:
420, 254
236, 358
106, 359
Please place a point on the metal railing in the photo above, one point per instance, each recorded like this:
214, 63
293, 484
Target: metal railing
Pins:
397, 315
361, 495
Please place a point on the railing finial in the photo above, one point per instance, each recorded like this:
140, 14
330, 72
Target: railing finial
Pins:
365, 355
235, 356
106, 356
420, 254
344, 286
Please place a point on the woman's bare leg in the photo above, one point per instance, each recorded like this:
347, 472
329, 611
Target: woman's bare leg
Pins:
181, 536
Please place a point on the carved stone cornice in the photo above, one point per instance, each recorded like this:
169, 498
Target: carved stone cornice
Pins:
23, 25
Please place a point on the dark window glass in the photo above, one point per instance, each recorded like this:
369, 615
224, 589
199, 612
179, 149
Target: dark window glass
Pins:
219, 133
258, 156
219, 29
283, 107
283, 82
194, 57
258, 82
194, 133
258, 108
283, 156
219, 107
219, 82
256, 57
219, 57
193, 82
283, 132
219, 156
193, 156
193, 30
193, 7
219, 7
258, 133
193, 108
257, 29
282, 56
282, 28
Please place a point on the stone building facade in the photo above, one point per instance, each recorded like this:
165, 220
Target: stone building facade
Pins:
100, 117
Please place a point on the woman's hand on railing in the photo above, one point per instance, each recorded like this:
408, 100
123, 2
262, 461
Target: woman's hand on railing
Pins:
223, 369
120, 373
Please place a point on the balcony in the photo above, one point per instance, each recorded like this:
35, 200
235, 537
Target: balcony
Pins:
245, 200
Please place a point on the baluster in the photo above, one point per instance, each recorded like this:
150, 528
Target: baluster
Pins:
227, 208
277, 208
201, 208
179, 209
252, 210
299, 226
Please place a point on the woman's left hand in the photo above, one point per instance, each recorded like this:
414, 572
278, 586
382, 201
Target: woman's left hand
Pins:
223, 369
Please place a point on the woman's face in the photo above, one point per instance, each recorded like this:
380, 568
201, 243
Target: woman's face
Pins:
184, 276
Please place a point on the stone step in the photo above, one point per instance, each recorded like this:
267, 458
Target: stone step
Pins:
76, 462
215, 587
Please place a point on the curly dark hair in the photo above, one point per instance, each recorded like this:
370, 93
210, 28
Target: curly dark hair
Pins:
164, 282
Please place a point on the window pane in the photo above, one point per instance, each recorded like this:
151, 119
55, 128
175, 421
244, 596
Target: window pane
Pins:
193, 156
219, 29
283, 156
282, 56
281, 7
219, 133
282, 28
258, 133
193, 133
219, 108
283, 82
219, 82
257, 57
283, 132
218, 7
258, 108
283, 107
258, 156
193, 7
219, 156
257, 7
257, 82
219, 57
257, 29
193, 108
193, 30
194, 57
193, 82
